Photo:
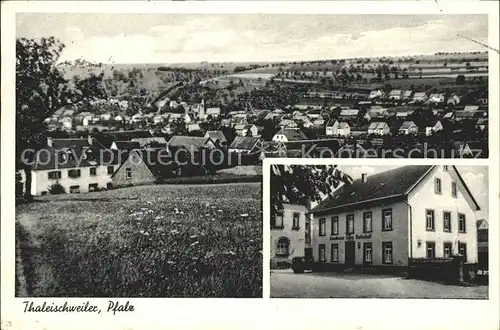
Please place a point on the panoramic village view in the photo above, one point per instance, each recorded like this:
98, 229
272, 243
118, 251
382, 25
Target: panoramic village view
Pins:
410, 231
139, 144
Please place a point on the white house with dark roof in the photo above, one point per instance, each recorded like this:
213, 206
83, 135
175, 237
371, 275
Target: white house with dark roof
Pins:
408, 127
379, 128
289, 135
392, 218
245, 145
77, 170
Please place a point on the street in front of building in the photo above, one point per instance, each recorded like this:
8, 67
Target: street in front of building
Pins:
286, 284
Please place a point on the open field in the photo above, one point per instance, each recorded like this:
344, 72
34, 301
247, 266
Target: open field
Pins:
149, 241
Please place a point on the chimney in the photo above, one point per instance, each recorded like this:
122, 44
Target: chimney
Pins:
49, 142
363, 177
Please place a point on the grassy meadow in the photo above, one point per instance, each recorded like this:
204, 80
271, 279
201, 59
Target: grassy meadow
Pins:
148, 241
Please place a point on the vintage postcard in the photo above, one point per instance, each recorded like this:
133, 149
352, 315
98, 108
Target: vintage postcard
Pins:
232, 153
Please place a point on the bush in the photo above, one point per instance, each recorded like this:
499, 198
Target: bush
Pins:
57, 189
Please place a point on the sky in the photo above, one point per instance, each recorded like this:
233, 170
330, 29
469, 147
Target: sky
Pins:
476, 178
188, 38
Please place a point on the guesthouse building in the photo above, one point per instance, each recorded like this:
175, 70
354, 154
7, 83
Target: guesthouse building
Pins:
391, 219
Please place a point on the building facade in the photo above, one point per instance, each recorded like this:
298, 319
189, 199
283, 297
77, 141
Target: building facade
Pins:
288, 233
392, 218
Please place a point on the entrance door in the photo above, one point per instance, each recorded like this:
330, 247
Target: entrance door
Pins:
308, 253
349, 253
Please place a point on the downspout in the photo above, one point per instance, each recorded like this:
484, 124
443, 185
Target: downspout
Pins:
411, 232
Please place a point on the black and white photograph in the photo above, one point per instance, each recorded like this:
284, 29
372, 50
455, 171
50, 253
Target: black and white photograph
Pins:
193, 164
414, 231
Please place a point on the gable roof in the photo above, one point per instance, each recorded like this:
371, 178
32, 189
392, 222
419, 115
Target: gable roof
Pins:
395, 182
70, 143
54, 158
293, 134
349, 112
407, 124
216, 135
188, 141
127, 145
244, 142
377, 125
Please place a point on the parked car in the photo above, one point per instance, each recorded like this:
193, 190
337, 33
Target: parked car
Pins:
301, 264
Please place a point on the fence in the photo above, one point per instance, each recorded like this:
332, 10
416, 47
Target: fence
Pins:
449, 270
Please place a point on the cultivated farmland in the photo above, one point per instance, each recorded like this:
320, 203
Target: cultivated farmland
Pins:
149, 241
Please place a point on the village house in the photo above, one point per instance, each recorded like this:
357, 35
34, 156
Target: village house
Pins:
379, 128
453, 100
76, 170
437, 98
247, 130
407, 95
482, 123
146, 166
288, 233
378, 113
191, 142
217, 136
151, 142
420, 97
193, 127
341, 129
435, 127
319, 122
395, 95
390, 219
349, 113
289, 135
287, 123
376, 94
245, 145
408, 127
331, 127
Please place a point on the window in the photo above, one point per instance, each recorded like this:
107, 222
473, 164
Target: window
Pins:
111, 170
128, 172
367, 253
335, 252
447, 221
74, 173
93, 186
282, 246
437, 186
335, 225
387, 252
431, 250
93, 171
367, 222
322, 227
447, 250
429, 219
445, 167
462, 249
278, 220
74, 189
295, 222
454, 189
461, 223
387, 219
322, 256
350, 224
54, 175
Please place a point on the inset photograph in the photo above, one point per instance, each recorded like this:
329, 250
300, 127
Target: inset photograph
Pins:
379, 231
